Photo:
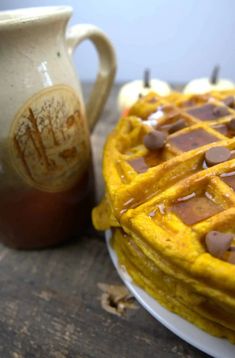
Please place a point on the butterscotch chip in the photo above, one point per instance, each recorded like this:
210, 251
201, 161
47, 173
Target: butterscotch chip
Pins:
180, 124
231, 124
217, 155
217, 243
155, 140
220, 111
229, 101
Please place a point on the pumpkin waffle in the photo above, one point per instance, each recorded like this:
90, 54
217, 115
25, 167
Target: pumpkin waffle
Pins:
169, 169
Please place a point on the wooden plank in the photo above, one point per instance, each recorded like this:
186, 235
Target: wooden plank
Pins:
50, 302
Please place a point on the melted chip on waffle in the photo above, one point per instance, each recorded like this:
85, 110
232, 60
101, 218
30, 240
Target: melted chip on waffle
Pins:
175, 205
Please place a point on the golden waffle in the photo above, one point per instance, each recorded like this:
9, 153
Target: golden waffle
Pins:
167, 201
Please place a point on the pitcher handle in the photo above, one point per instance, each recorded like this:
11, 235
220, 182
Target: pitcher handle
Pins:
107, 66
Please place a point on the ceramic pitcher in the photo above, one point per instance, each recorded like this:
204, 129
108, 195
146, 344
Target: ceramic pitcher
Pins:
46, 180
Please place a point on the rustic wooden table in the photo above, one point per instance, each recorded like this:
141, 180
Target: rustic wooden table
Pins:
55, 302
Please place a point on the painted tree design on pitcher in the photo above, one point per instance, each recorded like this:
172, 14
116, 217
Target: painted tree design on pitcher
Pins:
49, 139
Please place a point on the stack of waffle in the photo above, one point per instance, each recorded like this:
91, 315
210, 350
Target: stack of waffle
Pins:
169, 169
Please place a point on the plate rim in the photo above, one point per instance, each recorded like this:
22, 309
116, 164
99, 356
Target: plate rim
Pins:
215, 347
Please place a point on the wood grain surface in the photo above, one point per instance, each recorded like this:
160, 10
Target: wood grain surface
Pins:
54, 302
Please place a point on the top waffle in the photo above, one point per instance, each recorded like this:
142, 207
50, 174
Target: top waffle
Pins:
134, 174
174, 184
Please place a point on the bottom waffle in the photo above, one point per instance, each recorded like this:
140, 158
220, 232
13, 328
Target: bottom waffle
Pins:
172, 293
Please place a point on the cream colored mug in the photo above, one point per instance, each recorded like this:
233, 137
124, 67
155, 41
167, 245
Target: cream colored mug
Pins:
46, 179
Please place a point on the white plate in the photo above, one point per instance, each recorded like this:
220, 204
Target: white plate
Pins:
216, 347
